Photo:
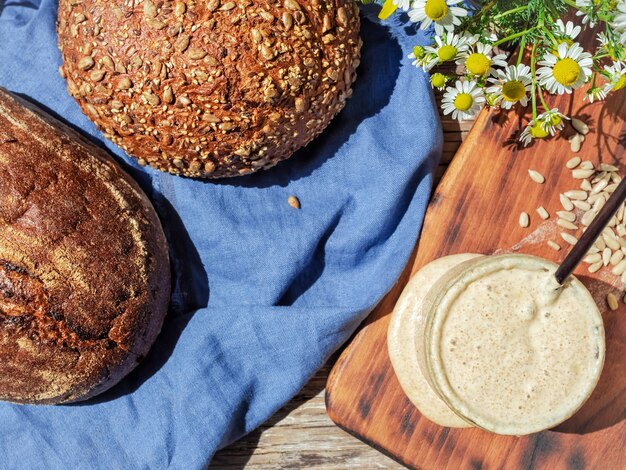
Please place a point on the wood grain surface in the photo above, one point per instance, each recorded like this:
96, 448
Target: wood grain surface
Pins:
476, 209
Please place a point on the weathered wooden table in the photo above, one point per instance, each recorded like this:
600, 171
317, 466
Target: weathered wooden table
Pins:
301, 435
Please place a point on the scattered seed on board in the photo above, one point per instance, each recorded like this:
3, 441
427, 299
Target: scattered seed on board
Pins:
581, 174
573, 162
606, 256
294, 202
582, 205
571, 239
580, 126
555, 246
577, 194
586, 165
524, 220
607, 167
566, 202
593, 258
619, 268
536, 176
585, 185
575, 142
611, 301
543, 213
595, 267
588, 217
566, 215
566, 224
616, 258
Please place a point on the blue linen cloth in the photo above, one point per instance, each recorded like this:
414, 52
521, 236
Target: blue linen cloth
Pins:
262, 293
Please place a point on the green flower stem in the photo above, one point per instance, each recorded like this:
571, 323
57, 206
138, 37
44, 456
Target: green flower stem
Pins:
520, 51
533, 87
510, 12
514, 36
543, 101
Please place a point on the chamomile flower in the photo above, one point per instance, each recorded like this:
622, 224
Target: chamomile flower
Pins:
567, 31
448, 48
510, 86
438, 81
595, 94
552, 120
479, 61
619, 22
404, 4
566, 70
584, 6
444, 14
616, 76
533, 130
463, 100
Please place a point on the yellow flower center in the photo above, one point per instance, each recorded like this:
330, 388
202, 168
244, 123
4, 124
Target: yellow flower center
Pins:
436, 10
538, 132
438, 80
513, 91
621, 82
566, 71
555, 120
446, 53
418, 52
478, 64
463, 101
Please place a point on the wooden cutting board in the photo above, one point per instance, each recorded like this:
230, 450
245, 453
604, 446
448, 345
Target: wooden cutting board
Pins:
476, 209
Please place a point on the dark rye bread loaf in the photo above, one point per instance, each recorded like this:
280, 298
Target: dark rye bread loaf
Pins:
84, 270
211, 88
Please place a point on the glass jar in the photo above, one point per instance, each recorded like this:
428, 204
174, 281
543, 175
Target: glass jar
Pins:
505, 347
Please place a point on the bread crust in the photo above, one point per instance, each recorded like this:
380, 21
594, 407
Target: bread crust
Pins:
84, 268
211, 88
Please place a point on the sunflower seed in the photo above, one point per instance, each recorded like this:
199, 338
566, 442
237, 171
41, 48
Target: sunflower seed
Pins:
593, 258
610, 188
566, 202
582, 205
124, 84
607, 167
149, 9
612, 243
580, 126
168, 95
594, 267
536, 176
599, 186
85, 63
585, 185
524, 220
619, 268
606, 256
586, 165
599, 204
155, 24
571, 239
569, 216
621, 231
228, 6
292, 5
180, 8
197, 53
594, 197
575, 143
182, 43
615, 178
97, 75
543, 213
588, 217
555, 246
566, 224
342, 16
573, 162
616, 258
580, 173
151, 99
611, 301
577, 194
294, 202
600, 176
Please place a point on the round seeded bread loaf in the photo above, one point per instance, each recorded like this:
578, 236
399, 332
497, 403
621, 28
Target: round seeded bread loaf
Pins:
84, 269
211, 88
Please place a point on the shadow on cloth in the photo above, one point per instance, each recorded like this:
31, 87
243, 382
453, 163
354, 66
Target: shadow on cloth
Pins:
371, 93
